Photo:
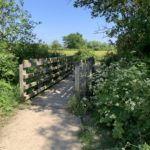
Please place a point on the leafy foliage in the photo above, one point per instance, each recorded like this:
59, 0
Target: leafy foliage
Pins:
15, 23
76, 106
9, 97
144, 147
16, 32
8, 67
30, 50
84, 54
130, 18
121, 94
74, 41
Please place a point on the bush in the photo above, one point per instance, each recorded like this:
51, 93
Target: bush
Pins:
27, 51
9, 96
83, 54
76, 106
121, 98
99, 46
8, 67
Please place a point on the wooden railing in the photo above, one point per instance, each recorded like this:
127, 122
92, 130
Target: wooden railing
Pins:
36, 75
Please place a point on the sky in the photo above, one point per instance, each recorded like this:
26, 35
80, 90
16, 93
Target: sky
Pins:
59, 18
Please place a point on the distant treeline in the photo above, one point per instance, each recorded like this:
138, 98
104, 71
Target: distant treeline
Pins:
76, 41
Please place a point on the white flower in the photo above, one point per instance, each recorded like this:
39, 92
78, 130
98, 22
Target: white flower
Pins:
117, 104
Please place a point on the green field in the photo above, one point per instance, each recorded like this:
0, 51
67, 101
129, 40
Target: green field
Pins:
100, 54
97, 54
69, 52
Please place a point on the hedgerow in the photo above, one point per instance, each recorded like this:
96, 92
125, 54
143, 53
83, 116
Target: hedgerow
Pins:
9, 97
8, 67
121, 99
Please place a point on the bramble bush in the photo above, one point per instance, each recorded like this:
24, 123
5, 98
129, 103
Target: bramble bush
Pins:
84, 54
121, 99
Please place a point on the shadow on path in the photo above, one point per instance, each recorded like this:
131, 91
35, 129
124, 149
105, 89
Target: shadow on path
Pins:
63, 132
46, 125
57, 96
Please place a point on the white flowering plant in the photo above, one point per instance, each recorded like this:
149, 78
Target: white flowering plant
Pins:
121, 99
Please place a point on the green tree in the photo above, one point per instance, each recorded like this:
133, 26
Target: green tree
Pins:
15, 23
56, 45
131, 19
74, 41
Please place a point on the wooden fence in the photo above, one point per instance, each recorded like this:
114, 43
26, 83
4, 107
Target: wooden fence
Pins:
36, 75
82, 72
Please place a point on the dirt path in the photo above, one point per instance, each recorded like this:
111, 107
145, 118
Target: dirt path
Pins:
46, 125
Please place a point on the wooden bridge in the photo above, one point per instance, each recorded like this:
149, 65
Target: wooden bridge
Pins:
37, 75
46, 124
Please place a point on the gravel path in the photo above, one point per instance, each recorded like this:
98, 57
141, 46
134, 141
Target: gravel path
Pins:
46, 125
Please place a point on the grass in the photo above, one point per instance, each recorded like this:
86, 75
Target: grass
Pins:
68, 52
6, 117
100, 54
64, 52
93, 139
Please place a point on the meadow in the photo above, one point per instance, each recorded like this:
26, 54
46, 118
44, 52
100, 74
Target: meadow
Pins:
98, 55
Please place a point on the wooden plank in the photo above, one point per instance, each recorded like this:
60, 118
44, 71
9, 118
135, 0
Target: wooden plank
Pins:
39, 62
39, 72
77, 81
29, 75
46, 69
34, 93
34, 62
21, 80
39, 83
30, 85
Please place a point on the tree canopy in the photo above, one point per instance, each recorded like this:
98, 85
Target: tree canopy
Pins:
55, 45
74, 41
131, 20
15, 22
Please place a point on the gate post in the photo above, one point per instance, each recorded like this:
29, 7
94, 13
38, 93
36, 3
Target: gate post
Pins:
21, 81
77, 81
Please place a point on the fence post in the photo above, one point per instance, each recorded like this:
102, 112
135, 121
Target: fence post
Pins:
21, 81
66, 61
77, 81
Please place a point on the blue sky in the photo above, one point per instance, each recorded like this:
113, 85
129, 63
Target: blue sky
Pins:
60, 18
